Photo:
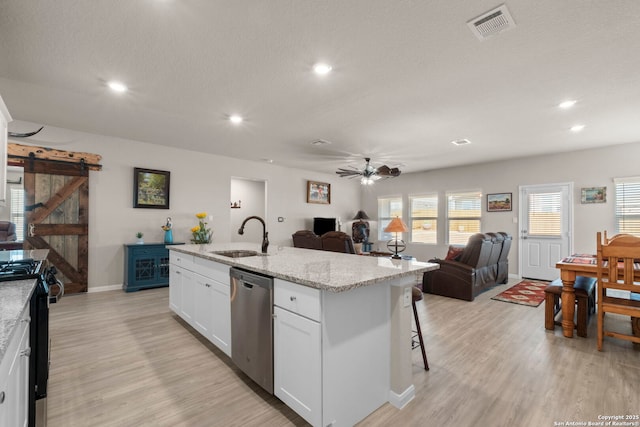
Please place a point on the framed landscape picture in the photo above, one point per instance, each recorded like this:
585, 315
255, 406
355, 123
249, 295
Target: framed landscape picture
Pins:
318, 192
499, 202
594, 195
150, 188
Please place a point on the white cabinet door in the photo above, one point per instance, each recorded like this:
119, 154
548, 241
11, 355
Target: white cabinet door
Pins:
14, 378
297, 370
221, 316
203, 317
175, 288
188, 309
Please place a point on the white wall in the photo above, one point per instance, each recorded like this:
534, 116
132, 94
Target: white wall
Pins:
199, 182
588, 168
251, 194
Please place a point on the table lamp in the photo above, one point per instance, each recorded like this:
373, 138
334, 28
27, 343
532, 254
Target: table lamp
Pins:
396, 226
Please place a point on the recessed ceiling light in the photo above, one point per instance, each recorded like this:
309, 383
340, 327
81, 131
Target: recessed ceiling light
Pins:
117, 86
235, 119
461, 142
567, 104
321, 68
577, 128
320, 142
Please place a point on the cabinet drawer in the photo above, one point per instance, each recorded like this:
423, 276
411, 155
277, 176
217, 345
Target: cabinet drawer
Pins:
211, 269
299, 299
181, 260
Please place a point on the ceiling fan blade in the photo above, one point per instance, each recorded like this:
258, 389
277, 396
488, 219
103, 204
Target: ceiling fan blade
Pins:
385, 170
347, 172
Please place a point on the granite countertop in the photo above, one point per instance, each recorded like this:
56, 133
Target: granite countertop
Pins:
14, 295
331, 271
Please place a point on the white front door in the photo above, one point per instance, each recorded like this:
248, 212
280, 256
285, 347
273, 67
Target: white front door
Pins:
545, 229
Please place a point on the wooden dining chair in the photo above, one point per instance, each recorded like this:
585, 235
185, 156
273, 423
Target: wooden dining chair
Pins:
618, 258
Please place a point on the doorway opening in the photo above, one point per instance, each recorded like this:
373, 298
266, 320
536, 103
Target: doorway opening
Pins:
248, 198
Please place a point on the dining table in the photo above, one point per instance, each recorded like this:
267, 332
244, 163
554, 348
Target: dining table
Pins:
580, 265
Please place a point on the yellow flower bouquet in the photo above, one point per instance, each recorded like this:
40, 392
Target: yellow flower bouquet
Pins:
201, 234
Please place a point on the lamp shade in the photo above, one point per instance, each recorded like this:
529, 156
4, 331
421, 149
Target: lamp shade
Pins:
361, 215
396, 226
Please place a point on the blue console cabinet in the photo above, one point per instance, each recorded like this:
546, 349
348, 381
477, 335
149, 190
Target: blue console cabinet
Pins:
146, 266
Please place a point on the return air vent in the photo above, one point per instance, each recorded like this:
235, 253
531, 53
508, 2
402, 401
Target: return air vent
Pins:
492, 22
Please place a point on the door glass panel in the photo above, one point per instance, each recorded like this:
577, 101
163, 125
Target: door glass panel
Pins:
545, 214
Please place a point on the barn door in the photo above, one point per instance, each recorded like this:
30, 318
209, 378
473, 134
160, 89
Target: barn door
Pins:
57, 217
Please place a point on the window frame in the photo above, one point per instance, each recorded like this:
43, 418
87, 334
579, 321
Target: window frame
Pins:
412, 218
449, 218
621, 207
382, 236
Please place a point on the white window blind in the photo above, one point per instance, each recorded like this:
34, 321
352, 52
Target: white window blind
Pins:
388, 208
424, 218
463, 215
545, 214
628, 205
17, 212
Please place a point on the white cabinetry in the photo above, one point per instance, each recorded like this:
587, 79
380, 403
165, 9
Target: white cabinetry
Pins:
199, 293
14, 377
5, 118
329, 347
297, 349
297, 371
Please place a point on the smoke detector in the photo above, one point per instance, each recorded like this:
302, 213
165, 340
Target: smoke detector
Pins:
492, 22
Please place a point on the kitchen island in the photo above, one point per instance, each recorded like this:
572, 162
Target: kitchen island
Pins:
342, 323
16, 342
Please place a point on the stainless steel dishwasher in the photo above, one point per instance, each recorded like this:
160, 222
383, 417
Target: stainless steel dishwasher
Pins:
252, 325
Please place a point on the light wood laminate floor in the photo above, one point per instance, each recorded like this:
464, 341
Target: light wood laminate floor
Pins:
121, 359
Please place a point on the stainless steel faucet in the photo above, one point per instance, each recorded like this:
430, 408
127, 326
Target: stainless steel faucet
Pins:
265, 235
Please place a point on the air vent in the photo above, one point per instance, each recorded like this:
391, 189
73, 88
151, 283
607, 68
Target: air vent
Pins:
491, 23
461, 142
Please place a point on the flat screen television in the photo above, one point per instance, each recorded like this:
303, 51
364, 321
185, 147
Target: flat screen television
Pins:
322, 225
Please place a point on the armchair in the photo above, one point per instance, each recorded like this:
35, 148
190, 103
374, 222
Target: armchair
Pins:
7, 231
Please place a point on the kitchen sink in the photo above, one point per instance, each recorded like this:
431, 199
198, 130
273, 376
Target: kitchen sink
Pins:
240, 253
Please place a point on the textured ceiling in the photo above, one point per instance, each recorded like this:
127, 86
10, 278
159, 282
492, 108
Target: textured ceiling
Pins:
408, 76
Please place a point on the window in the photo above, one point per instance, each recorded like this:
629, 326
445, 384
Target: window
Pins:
628, 205
17, 212
424, 219
463, 216
388, 208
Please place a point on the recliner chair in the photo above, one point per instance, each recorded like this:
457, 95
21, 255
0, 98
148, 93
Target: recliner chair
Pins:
337, 241
7, 231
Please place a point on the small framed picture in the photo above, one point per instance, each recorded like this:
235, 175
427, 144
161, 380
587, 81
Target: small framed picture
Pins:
150, 188
318, 192
499, 202
593, 195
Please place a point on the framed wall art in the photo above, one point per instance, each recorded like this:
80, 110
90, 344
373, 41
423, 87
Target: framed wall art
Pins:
593, 195
150, 188
318, 192
499, 202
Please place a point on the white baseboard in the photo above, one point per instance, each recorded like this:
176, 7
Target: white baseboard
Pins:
401, 400
104, 288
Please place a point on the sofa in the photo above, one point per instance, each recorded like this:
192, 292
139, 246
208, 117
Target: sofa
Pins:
333, 241
7, 231
469, 270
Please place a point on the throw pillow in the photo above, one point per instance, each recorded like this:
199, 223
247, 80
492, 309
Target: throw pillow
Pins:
454, 253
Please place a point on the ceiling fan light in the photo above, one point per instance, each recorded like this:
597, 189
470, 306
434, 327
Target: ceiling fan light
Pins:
366, 180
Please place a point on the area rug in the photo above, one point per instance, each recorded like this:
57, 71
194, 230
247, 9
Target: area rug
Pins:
527, 292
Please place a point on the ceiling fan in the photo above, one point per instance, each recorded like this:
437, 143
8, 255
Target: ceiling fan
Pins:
369, 174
